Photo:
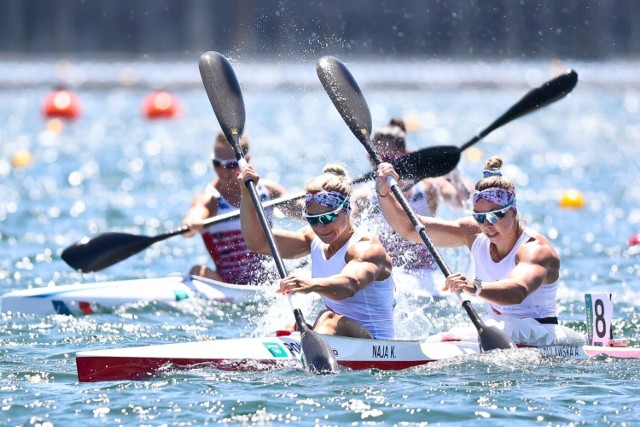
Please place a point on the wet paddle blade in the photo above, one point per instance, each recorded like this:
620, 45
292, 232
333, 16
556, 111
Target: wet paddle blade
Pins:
225, 95
104, 250
428, 162
490, 337
318, 356
417, 165
346, 96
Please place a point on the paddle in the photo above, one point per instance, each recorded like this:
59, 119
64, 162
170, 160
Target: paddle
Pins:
106, 249
349, 100
225, 96
445, 158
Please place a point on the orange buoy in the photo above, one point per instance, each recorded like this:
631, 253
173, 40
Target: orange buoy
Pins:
572, 199
160, 104
61, 103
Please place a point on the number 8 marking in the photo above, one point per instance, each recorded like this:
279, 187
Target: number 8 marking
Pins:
600, 324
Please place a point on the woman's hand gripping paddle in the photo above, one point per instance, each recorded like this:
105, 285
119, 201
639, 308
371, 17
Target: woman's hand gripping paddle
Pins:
225, 96
349, 101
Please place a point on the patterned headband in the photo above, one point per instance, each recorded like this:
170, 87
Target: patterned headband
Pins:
496, 195
330, 199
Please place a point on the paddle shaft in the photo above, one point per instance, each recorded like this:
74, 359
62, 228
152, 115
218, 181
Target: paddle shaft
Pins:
225, 95
349, 101
266, 227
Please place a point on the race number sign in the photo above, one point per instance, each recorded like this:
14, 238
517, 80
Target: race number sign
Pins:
599, 310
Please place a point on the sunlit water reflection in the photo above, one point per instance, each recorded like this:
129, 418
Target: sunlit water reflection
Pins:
113, 170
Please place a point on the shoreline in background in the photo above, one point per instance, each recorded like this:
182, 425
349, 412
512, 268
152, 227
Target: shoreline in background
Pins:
374, 73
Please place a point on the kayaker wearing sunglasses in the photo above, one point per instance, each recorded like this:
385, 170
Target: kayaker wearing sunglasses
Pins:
350, 270
233, 260
517, 268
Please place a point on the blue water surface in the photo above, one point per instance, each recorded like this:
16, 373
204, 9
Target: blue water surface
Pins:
113, 170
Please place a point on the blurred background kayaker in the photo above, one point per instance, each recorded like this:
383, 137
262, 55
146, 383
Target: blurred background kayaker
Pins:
234, 262
425, 197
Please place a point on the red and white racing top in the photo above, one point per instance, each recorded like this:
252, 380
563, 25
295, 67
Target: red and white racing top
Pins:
233, 260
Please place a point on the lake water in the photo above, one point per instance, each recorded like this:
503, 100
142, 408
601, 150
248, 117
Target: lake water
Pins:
112, 170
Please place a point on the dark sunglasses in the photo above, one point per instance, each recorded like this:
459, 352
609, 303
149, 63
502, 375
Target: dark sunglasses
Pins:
325, 218
226, 164
493, 216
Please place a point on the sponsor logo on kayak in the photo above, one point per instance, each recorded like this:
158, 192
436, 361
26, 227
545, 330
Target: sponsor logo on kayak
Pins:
565, 351
275, 349
294, 348
383, 351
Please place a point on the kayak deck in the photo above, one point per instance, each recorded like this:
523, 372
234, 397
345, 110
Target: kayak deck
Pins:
265, 353
88, 298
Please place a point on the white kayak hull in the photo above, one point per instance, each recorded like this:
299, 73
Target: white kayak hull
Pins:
88, 298
255, 354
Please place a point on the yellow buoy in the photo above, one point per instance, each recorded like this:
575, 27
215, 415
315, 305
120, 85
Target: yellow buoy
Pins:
572, 199
21, 159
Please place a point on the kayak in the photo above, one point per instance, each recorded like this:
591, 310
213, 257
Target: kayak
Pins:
265, 353
284, 348
99, 297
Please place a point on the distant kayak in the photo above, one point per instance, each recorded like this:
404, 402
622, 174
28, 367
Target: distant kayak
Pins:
89, 298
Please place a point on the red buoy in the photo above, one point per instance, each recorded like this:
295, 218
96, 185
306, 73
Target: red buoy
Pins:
634, 240
61, 103
160, 104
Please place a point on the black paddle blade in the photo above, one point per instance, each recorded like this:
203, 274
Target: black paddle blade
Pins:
345, 95
225, 96
490, 338
552, 91
427, 162
318, 355
104, 250
224, 93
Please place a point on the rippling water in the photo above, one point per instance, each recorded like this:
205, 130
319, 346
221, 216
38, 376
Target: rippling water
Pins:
113, 170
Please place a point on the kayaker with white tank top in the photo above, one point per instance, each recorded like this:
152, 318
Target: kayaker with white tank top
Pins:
351, 271
517, 269
372, 307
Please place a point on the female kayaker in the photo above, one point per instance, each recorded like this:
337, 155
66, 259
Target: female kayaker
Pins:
350, 270
410, 258
234, 262
517, 268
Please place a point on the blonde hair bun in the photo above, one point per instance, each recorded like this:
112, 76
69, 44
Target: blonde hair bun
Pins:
335, 169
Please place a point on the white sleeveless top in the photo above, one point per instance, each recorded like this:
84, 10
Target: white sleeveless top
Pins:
539, 304
372, 307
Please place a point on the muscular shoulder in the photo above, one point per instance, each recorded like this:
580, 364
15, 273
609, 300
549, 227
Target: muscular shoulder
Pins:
538, 250
368, 248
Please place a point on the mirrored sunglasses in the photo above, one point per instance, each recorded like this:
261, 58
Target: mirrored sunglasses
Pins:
226, 164
492, 216
325, 218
